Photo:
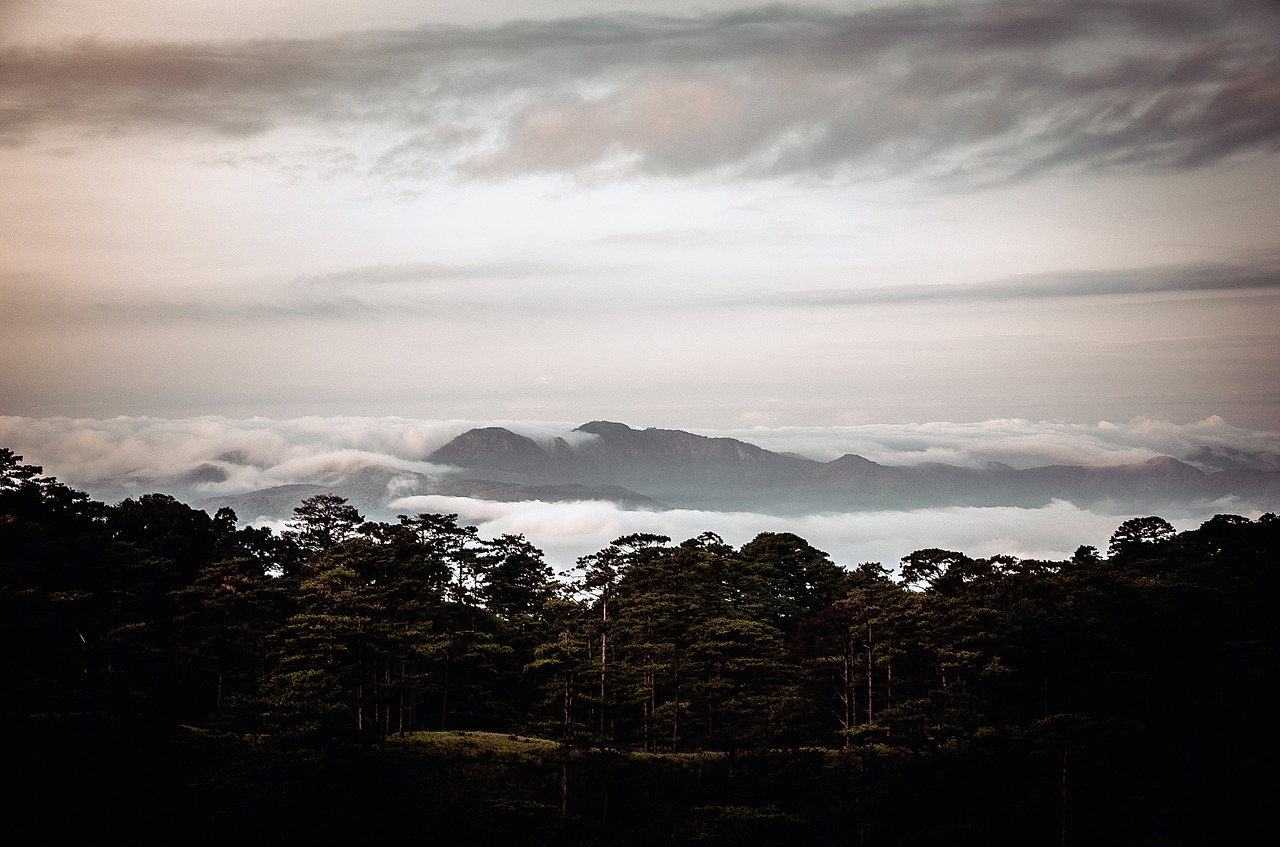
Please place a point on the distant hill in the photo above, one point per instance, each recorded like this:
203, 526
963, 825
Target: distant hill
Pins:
654, 469
374, 489
660, 457
694, 471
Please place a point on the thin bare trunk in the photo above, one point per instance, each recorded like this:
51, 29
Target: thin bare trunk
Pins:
604, 624
568, 704
675, 714
888, 686
870, 712
444, 689
399, 697
386, 702
845, 720
564, 788
650, 705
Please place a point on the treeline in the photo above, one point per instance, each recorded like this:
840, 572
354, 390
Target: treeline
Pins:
341, 630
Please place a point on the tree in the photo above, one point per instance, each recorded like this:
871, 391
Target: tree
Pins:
169, 528
923, 569
1086, 556
450, 547
602, 574
322, 522
516, 580
229, 620
1131, 535
13, 473
799, 578
741, 688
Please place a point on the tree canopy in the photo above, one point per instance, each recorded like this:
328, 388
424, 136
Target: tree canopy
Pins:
342, 631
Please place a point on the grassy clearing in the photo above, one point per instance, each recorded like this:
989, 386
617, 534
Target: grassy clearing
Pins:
462, 742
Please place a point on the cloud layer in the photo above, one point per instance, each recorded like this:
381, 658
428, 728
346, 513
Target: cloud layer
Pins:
204, 457
974, 92
96, 452
566, 531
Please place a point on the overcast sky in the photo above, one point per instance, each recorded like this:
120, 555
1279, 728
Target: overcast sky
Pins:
672, 214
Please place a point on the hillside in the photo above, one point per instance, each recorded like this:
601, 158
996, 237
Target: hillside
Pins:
694, 471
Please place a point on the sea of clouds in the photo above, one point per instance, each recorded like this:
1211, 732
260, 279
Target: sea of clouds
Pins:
199, 458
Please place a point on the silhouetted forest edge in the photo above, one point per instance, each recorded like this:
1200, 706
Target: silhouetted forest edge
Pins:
171, 670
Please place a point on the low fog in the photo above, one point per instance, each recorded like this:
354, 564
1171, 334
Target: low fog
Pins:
199, 459
568, 530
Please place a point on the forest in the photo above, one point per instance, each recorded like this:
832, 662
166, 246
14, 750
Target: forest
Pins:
170, 669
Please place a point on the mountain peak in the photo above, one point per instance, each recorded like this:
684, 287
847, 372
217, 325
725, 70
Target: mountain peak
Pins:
687, 470
492, 447
1169, 466
852, 460
603, 427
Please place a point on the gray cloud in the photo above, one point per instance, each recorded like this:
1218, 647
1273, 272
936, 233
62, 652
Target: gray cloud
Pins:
250, 453
135, 453
1208, 278
270, 452
427, 272
457, 290
219, 308
1023, 443
984, 91
266, 451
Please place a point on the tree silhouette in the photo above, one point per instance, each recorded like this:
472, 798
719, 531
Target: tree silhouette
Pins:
323, 521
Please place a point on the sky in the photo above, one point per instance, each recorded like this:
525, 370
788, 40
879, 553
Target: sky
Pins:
670, 214
719, 216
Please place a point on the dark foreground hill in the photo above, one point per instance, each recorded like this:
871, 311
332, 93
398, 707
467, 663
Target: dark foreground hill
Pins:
96, 781
173, 674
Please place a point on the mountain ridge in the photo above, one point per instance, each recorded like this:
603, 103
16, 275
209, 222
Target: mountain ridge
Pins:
697, 471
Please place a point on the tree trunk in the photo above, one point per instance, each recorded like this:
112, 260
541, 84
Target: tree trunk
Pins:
675, 713
444, 688
870, 712
564, 784
604, 623
846, 697
888, 686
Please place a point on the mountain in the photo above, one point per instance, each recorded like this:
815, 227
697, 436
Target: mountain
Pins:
694, 471
275, 502
510, 492
493, 448
658, 459
650, 456
654, 469
374, 489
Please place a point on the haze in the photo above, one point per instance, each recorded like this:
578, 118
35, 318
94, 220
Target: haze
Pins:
720, 217
198, 459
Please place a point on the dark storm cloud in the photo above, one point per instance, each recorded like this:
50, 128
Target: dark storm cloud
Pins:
969, 92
